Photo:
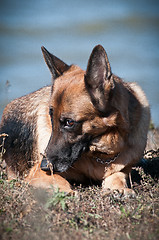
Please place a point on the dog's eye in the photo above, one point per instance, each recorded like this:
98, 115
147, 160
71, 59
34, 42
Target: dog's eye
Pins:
69, 123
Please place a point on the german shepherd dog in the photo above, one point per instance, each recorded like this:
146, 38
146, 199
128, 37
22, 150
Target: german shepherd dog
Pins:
87, 126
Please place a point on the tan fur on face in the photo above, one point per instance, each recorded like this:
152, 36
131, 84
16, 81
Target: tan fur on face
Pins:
71, 86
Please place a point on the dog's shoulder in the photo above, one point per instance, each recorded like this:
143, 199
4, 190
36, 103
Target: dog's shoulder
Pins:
139, 94
139, 115
138, 100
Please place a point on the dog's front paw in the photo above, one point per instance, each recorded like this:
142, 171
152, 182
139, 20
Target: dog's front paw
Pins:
116, 183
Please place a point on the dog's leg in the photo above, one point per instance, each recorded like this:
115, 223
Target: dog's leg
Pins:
117, 181
39, 178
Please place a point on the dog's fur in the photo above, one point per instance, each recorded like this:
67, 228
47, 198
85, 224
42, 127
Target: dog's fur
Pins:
88, 125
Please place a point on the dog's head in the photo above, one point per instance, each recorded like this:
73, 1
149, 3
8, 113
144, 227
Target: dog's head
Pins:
86, 111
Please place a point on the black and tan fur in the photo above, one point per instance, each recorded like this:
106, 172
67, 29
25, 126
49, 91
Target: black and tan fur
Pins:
89, 125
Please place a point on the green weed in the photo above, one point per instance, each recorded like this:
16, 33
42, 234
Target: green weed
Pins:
58, 198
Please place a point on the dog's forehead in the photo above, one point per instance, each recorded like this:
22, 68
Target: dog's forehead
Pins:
69, 94
69, 84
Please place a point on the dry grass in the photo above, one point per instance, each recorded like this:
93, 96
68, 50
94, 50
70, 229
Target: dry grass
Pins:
28, 213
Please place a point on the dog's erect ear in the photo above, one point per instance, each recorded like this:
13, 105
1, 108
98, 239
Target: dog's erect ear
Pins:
56, 66
98, 78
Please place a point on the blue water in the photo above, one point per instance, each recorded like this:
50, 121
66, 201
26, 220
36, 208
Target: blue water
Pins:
128, 30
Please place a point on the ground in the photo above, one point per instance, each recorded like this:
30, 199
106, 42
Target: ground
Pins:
29, 213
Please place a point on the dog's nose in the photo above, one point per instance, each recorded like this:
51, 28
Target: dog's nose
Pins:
44, 165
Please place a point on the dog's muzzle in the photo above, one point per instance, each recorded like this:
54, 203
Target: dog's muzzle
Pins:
60, 159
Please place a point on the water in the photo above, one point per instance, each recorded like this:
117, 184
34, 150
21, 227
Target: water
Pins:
128, 30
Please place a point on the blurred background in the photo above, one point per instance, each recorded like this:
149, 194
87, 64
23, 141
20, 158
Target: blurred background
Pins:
128, 30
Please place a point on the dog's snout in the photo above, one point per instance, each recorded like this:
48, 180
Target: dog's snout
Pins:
44, 165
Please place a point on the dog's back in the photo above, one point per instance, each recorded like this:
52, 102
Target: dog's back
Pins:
26, 122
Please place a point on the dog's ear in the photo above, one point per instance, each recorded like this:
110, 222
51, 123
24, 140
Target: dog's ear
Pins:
56, 66
98, 80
